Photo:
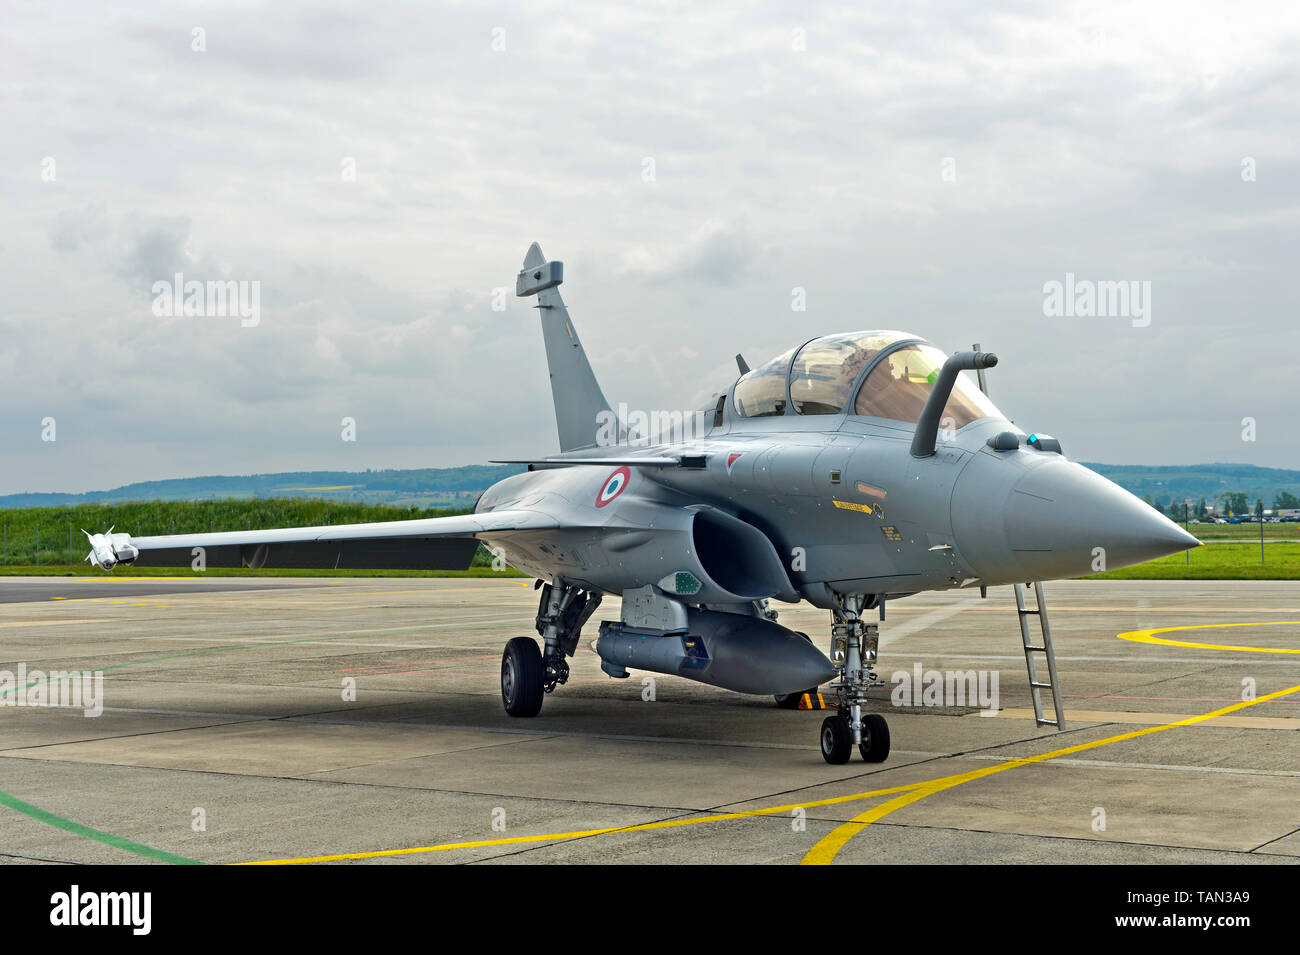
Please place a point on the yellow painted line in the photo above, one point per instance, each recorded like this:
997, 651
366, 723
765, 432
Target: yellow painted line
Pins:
1147, 636
1151, 719
824, 852
109, 600
826, 849
560, 836
184, 580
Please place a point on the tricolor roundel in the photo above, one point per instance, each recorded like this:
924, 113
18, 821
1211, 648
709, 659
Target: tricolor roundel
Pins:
613, 486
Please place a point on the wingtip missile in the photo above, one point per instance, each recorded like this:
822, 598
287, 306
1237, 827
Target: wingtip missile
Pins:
107, 550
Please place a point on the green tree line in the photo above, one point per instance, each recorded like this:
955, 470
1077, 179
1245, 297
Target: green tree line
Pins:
1235, 503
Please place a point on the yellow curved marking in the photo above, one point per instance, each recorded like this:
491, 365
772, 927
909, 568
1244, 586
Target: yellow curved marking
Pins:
826, 849
829, 846
559, 836
1146, 636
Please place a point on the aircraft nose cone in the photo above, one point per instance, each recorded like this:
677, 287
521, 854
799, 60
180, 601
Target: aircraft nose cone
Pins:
1063, 520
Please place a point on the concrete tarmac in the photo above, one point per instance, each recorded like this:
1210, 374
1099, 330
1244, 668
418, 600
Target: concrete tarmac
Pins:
272, 719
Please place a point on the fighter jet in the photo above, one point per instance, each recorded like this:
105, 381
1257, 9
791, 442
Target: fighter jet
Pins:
853, 469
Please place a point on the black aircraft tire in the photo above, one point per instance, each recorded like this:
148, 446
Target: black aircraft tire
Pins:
837, 740
875, 738
522, 674
790, 701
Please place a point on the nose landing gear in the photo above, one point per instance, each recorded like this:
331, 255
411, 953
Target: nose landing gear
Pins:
853, 653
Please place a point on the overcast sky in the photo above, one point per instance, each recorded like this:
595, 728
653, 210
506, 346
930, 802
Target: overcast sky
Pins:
928, 167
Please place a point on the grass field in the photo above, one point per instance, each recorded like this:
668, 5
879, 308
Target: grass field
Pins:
58, 529
1219, 561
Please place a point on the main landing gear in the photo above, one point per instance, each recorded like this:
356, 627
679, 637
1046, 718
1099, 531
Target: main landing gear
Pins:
529, 673
853, 653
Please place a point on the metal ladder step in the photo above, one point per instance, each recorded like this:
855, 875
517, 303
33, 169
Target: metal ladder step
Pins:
1037, 685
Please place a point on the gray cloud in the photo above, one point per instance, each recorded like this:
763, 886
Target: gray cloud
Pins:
1105, 141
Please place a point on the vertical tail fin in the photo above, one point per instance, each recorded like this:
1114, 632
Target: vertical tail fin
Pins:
577, 394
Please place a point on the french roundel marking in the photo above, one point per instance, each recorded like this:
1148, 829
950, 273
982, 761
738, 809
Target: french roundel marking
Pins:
613, 486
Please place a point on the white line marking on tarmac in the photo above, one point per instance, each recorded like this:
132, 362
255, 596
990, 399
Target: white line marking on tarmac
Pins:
916, 624
617, 737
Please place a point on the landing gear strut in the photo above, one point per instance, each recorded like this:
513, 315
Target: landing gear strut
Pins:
527, 673
853, 653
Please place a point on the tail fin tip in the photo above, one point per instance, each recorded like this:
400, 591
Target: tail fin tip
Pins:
579, 402
534, 257
537, 274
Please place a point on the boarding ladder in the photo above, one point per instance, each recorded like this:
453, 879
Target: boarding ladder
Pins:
1036, 686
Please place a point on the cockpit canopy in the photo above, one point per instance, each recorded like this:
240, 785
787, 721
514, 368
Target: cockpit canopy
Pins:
818, 379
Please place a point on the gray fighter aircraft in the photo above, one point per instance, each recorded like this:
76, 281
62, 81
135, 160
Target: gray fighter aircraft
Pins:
852, 469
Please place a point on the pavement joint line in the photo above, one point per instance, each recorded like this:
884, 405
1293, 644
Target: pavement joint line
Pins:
825, 851
255, 643
827, 848
24, 858
119, 736
1157, 767
1087, 839
518, 849
984, 832
1277, 839
687, 820
41, 815
314, 774
225, 774
909, 791
579, 834
89, 832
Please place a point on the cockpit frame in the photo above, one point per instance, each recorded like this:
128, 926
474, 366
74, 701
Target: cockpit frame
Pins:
734, 401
